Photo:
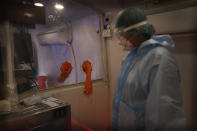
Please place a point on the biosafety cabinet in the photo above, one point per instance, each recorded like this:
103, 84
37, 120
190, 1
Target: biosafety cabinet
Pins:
35, 42
34, 47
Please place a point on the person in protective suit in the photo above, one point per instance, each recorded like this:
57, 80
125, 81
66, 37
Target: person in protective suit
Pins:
148, 94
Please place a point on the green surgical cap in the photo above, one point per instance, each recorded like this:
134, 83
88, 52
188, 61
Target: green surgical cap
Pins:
131, 16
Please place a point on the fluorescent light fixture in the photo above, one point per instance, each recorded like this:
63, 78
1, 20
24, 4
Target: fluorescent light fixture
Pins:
27, 14
38, 4
59, 6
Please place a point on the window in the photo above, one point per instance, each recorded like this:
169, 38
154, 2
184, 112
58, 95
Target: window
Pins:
71, 35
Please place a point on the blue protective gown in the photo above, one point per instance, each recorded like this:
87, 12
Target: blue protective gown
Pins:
148, 94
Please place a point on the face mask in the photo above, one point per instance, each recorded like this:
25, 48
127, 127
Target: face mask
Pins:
127, 46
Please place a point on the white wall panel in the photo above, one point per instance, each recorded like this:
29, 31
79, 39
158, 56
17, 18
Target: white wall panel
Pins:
87, 46
179, 20
50, 58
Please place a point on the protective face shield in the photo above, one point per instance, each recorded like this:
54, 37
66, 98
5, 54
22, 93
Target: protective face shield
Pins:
124, 42
121, 32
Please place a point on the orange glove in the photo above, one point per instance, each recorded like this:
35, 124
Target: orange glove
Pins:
87, 68
65, 68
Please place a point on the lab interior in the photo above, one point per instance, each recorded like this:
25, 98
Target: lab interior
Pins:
59, 60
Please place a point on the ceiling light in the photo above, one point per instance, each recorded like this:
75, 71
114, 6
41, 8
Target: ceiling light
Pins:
38, 4
27, 14
59, 6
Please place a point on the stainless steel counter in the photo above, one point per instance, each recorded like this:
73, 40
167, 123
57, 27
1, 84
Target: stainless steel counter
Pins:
37, 117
